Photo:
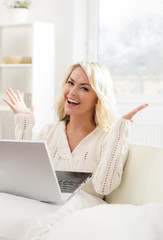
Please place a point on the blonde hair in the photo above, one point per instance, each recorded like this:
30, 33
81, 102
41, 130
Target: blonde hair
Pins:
106, 113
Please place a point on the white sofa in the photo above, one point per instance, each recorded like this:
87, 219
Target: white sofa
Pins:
142, 180
135, 209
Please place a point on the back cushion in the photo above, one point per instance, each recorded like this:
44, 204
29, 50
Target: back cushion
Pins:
142, 180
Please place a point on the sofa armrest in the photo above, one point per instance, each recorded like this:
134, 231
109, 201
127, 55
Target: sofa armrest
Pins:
142, 177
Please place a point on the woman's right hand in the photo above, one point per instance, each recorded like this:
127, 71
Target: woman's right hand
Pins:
16, 102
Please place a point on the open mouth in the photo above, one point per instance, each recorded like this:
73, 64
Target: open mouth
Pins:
73, 102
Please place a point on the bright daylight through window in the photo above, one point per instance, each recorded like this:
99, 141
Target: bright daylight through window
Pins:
131, 44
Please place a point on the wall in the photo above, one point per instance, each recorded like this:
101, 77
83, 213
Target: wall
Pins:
60, 13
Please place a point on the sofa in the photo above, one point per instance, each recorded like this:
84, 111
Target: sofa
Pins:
133, 211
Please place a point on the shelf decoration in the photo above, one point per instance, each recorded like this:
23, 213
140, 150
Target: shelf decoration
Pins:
18, 11
16, 59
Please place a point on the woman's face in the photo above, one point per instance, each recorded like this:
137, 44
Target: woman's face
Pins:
80, 98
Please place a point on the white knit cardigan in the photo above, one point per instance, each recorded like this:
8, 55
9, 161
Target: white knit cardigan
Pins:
103, 154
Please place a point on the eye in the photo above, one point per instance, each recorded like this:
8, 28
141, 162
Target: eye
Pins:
70, 82
85, 89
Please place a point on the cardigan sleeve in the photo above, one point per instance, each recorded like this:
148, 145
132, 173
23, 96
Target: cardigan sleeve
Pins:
108, 173
23, 126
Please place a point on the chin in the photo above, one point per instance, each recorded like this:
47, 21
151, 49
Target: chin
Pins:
68, 112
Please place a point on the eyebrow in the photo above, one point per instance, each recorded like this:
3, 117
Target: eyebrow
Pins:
80, 83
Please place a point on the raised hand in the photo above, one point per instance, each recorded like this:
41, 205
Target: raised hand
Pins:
16, 102
130, 115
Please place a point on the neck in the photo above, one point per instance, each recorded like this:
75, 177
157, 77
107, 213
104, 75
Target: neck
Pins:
78, 123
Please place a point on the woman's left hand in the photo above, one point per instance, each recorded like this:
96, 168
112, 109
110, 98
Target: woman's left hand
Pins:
130, 115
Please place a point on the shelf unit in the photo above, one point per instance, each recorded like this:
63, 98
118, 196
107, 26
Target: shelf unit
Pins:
4, 65
35, 80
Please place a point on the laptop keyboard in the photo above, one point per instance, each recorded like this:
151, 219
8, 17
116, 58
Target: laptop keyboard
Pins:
66, 185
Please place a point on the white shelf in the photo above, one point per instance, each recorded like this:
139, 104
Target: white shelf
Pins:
34, 80
22, 65
26, 24
16, 25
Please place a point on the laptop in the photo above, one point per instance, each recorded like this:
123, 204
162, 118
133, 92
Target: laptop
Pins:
26, 170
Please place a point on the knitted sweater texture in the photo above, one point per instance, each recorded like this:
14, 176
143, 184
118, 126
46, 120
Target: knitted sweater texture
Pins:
103, 154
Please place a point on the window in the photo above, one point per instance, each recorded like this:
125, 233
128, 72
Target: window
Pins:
130, 44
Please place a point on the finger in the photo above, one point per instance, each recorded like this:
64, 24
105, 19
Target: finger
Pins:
12, 99
10, 105
12, 94
19, 96
32, 108
138, 109
134, 111
141, 107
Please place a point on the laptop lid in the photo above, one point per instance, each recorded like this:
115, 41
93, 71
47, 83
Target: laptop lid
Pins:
26, 170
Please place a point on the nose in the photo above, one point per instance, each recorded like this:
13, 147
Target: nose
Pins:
74, 91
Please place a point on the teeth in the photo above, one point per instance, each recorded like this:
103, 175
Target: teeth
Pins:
72, 101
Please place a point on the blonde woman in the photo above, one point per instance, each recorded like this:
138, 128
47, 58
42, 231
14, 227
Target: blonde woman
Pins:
89, 136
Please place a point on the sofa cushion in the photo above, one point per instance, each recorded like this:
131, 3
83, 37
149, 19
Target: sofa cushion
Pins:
22, 218
15, 210
115, 222
142, 178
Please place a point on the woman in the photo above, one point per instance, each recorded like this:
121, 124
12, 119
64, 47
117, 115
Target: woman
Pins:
89, 135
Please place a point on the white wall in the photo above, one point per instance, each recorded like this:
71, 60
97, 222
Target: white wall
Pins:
60, 13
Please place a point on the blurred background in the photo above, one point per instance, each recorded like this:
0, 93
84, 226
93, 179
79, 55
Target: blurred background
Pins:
126, 36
